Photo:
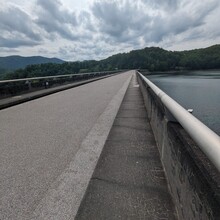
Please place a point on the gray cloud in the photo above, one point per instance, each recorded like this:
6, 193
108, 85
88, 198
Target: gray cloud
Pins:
53, 9
112, 19
93, 50
52, 18
43, 51
120, 21
126, 21
169, 5
15, 42
85, 20
9, 50
179, 22
106, 27
17, 27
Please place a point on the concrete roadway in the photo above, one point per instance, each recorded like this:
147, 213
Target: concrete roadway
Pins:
31, 95
38, 140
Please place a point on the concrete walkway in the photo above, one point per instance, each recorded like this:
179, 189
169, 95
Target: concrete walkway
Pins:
50, 147
129, 181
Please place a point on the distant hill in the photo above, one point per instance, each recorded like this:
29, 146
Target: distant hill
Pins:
16, 62
151, 58
158, 59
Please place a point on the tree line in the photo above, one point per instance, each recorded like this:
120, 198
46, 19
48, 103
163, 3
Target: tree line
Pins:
151, 58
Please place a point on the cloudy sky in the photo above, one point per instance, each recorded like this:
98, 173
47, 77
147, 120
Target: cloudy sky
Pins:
95, 29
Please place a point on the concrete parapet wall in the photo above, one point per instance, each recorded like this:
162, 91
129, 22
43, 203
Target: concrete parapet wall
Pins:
193, 181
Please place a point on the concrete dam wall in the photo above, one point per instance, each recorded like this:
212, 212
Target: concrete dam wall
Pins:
193, 180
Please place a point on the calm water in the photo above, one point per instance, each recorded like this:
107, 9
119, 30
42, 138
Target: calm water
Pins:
199, 90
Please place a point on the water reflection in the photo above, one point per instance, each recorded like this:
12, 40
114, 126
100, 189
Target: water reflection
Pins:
199, 90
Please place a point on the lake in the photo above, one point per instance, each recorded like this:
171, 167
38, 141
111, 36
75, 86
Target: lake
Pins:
199, 90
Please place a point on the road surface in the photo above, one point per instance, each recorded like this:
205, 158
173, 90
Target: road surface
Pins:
38, 140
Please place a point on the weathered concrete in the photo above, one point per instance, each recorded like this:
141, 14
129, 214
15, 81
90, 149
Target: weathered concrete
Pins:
129, 181
64, 197
39, 141
193, 180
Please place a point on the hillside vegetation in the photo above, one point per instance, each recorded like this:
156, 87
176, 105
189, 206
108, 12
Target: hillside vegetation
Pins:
11, 63
152, 58
16, 62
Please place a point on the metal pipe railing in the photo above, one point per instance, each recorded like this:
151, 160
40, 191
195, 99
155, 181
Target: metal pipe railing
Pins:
57, 76
16, 86
207, 140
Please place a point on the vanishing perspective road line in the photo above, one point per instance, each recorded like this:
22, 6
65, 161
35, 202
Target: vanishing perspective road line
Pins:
63, 199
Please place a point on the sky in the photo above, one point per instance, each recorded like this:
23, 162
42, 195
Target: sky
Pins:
76, 30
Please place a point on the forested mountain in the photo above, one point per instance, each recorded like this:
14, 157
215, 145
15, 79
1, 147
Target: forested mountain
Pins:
158, 59
16, 62
152, 58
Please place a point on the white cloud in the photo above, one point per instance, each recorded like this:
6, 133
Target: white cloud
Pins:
79, 30
17, 28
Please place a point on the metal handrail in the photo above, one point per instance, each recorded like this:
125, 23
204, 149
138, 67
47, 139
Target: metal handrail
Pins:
207, 140
56, 76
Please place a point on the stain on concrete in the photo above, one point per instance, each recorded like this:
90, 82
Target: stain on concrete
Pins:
129, 181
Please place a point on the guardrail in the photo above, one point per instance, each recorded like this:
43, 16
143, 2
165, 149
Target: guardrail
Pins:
15, 86
207, 140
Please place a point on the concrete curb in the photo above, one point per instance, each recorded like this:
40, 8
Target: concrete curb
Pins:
45, 93
63, 199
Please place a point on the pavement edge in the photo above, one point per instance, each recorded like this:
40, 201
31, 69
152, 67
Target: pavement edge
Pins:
46, 93
63, 199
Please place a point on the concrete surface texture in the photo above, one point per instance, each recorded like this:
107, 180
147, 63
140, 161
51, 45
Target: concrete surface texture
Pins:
194, 181
40, 138
129, 181
31, 95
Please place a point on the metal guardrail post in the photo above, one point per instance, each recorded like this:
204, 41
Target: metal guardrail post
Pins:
207, 140
15, 86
